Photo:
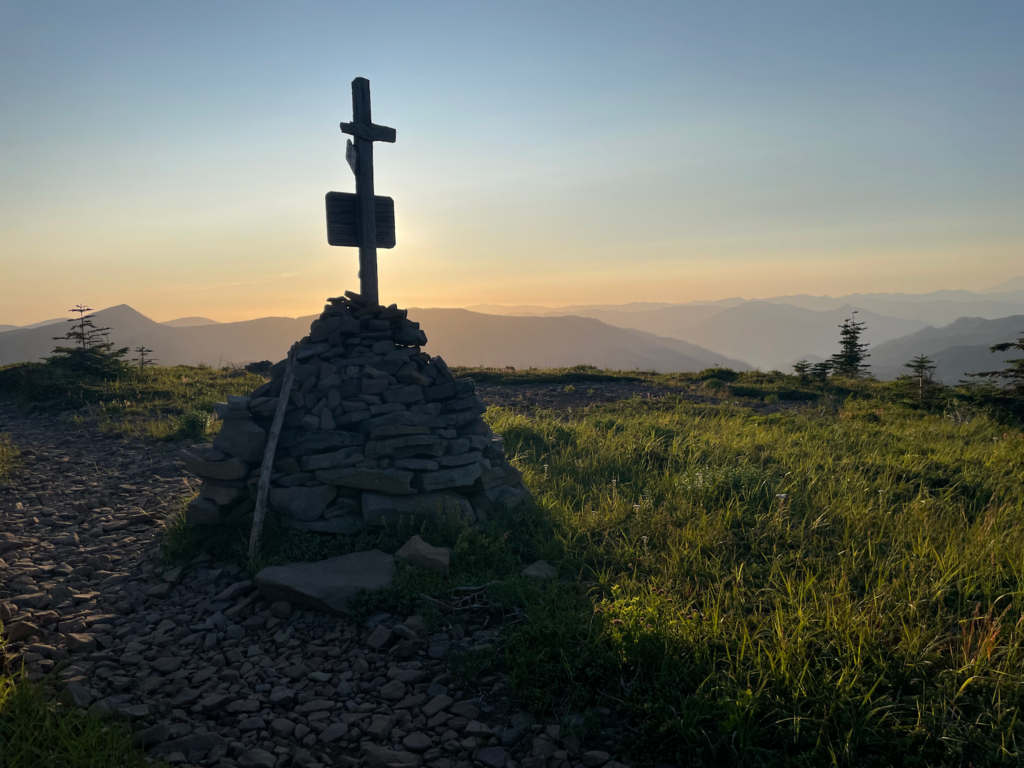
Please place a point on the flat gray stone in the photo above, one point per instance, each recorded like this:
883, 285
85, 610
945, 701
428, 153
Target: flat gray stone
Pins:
343, 458
328, 585
492, 757
457, 477
194, 742
257, 758
228, 469
202, 511
541, 569
303, 503
418, 552
346, 525
376, 755
429, 446
243, 439
388, 481
379, 509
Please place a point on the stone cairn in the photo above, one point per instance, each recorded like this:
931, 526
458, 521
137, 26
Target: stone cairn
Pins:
375, 431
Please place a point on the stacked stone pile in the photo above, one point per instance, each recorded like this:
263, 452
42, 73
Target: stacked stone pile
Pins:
375, 430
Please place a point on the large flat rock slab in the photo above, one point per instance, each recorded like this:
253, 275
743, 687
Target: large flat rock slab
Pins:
327, 585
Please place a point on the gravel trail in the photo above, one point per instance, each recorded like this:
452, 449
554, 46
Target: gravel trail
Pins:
208, 672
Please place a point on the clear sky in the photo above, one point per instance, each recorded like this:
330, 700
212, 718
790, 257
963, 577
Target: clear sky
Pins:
174, 155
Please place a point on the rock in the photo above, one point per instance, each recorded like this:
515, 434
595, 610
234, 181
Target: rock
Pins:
168, 665
224, 492
229, 469
160, 591
282, 609
243, 439
419, 742
380, 637
202, 511
231, 593
328, 585
393, 691
388, 481
338, 459
282, 697
380, 726
334, 732
22, 630
405, 447
303, 503
466, 710
251, 724
493, 757
376, 755
457, 477
281, 727
195, 742
595, 758
346, 525
439, 703
150, 737
510, 737
80, 695
383, 510
439, 646
257, 758
418, 552
540, 570
80, 643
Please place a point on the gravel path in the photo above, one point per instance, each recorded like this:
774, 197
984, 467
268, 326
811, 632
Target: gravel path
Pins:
207, 671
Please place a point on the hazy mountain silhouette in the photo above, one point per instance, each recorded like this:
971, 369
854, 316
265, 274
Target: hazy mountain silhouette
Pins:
935, 308
957, 349
764, 334
187, 322
40, 324
460, 336
1015, 284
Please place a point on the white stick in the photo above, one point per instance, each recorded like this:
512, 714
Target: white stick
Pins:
268, 456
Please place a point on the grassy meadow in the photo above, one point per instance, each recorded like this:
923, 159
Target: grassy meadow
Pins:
160, 403
754, 570
812, 587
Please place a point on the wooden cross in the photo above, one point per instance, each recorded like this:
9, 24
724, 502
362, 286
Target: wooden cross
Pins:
362, 220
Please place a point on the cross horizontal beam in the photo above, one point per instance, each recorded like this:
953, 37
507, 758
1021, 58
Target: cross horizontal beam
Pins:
371, 132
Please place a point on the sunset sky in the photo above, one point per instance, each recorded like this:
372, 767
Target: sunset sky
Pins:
174, 155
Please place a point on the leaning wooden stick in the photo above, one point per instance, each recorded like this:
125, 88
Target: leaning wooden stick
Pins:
268, 456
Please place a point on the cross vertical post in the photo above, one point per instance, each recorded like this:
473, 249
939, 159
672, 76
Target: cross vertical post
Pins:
364, 192
368, 207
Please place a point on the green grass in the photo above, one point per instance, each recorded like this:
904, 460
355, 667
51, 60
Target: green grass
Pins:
806, 588
8, 457
162, 403
37, 731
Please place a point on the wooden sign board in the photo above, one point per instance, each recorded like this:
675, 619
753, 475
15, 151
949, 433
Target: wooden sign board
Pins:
343, 218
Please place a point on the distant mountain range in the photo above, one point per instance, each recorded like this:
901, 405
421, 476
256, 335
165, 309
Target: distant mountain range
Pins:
957, 349
956, 328
460, 336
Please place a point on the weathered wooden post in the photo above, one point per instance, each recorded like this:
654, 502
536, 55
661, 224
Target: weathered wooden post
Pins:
362, 220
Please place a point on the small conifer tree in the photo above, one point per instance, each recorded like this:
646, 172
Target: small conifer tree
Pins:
820, 371
142, 360
1014, 373
801, 368
849, 362
922, 369
91, 350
